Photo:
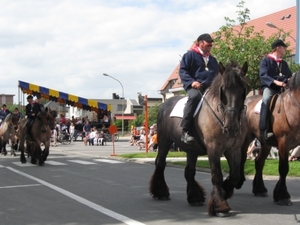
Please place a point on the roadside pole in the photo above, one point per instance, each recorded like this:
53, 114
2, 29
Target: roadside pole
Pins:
112, 130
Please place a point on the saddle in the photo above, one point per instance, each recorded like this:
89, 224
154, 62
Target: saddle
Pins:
273, 102
271, 106
179, 107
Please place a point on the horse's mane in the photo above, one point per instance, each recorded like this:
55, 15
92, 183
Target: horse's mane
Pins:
230, 78
53, 113
294, 82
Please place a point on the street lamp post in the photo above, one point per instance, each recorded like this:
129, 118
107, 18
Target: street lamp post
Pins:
281, 30
105, 74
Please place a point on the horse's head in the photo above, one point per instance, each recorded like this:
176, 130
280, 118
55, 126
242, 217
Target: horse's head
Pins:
52, 116
294, 82
43, 118
12, 120
230, 87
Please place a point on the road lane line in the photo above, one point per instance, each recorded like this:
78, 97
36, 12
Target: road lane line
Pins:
55, 163
82, 162
99, 208
17, 186
108, 161
24, 164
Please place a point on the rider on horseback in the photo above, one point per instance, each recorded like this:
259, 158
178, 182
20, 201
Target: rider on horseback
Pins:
197, 70
274, 74
32, 109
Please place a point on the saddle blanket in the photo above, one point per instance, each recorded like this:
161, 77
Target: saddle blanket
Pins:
179, 107
257, 107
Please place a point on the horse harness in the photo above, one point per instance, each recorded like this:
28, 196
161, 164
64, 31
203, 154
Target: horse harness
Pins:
224, 111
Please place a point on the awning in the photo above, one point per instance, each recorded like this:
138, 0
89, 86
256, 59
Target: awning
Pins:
62, 97
125, 117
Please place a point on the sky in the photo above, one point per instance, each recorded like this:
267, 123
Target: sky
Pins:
67, 45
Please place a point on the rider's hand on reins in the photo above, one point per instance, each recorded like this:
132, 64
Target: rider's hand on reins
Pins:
196, 85
279, 83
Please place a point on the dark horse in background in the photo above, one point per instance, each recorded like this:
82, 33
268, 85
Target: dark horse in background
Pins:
218, 131
285, 124
40, 133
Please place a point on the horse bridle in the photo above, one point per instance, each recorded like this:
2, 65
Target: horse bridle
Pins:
223, 111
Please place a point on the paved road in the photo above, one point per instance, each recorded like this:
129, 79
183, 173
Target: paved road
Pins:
85, 185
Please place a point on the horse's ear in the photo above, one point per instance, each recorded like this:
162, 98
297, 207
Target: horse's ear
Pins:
221, 68
245, 68
8, 117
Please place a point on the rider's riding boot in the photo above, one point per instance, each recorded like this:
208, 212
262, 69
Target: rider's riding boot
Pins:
27, 132
186, 137
264, 134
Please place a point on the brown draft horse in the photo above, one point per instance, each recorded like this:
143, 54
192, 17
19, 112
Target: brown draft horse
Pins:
218, 131
40, 132
285, 124
7, 132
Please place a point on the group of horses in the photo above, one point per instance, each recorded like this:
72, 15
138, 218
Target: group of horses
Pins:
14, 129
225, 126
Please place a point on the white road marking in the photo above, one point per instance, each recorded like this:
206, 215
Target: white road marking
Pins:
82, 162
28, 164
55, 163
108, 161
17, 186
77, 198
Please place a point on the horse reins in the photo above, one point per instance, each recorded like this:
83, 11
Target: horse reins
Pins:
217, 118
222, 109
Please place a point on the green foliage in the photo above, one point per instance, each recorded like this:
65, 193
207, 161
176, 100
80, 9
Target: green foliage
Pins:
118, 124
151, 155
239, 43
152, 117
152, 113
270, 168
11, 108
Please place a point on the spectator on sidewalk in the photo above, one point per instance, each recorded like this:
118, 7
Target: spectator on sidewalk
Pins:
153, 142
295, 155
141, 142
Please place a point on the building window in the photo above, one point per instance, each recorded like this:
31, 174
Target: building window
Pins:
119, 107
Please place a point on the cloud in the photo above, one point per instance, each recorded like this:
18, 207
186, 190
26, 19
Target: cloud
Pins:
67, 45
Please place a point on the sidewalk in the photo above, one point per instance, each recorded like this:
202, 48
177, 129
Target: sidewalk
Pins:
108, 151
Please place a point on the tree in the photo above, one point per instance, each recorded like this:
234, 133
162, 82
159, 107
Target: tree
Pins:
152, 117
240, 43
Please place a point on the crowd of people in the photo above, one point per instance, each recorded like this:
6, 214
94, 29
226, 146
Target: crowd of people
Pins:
94, 137
138, 137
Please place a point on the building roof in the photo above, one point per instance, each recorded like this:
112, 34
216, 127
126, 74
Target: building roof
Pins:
284, 20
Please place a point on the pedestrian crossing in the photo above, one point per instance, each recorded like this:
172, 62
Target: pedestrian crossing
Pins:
76, 161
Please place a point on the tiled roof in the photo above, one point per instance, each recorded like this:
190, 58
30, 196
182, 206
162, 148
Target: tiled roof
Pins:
284, 19
279, 19
174, 76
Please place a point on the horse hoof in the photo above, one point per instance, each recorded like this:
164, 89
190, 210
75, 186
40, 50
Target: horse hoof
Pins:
196, 204
222, 214
286, 202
